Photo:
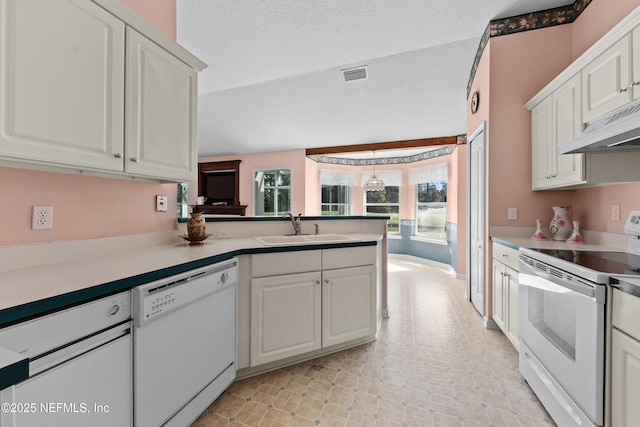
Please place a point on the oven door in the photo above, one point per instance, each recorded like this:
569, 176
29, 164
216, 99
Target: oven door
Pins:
562, 325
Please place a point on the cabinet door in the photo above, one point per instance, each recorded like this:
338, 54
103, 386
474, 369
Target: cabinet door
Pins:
348, 304
497, 301
606, 80
567, 125
161, 112
62, 86
511, 286
625, 380
635, 56
542, 144
285, 316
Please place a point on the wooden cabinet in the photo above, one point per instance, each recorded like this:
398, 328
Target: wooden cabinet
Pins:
556, 121
62, 92
285, 316
505, 291
348, 304
83, 91
303, 301
625, 360
161, 100
606, 80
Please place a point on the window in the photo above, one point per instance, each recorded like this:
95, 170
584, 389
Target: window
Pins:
272, 192
431, 205
336, 200
385, 203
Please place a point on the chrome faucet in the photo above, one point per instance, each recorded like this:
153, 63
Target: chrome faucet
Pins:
295, 222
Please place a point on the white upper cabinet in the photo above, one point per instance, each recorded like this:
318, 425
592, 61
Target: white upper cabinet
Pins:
62, 87
161, 103
555, 121
75, 96
635, 57
606, 80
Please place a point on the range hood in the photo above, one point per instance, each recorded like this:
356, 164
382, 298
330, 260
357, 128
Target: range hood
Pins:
617, 132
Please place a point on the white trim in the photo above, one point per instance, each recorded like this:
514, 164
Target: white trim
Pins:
442, 242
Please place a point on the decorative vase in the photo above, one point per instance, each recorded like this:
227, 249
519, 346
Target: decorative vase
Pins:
576, 237
560, 225
539, 235
196, 227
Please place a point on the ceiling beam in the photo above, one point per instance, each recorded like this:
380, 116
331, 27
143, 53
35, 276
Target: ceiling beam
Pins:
394, 145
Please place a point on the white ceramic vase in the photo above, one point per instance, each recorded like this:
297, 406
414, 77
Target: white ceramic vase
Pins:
560, 226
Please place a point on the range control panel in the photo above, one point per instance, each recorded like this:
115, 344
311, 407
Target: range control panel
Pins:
632, 226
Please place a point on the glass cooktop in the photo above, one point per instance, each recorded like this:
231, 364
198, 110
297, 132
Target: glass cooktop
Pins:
620, 263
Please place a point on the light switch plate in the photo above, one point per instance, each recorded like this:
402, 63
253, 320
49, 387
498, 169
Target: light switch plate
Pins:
512, 214
161, 203
615, 212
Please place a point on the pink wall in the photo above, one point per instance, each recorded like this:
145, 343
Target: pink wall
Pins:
161, 13
520, 66
87, 207
598, 18
293, 159
306, 181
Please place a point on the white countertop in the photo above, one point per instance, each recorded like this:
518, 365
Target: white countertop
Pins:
120, 266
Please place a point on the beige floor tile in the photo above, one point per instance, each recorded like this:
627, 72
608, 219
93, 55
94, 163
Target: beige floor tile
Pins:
434, 364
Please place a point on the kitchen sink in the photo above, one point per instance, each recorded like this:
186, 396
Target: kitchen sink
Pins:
301, 239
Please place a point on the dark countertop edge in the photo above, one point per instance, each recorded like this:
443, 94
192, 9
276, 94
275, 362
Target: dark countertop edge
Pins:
14, 368
505, 243
41, 307
277, 218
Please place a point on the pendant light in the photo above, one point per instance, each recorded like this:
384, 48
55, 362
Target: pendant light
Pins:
374, 183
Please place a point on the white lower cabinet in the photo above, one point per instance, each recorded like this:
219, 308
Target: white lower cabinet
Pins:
625, 360
310, 300
505, 291
286, 313
348, 304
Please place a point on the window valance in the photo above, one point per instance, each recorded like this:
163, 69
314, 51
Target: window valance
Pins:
332, 177
429, 173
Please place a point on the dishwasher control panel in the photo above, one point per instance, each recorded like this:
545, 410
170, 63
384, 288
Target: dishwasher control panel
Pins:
154, 299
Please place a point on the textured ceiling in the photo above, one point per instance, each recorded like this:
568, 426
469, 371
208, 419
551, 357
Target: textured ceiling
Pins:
274, 80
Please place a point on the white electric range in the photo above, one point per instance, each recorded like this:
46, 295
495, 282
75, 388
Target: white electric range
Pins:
562, 297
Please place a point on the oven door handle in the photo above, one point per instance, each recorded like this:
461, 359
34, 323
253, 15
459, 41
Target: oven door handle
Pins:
589, 291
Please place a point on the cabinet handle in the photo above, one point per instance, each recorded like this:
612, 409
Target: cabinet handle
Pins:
317, 282
504, 255
117, 155
326, 280
622, 90
134, 159
632, 84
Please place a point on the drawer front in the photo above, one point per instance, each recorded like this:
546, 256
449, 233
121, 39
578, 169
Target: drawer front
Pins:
348, 257
506, 255
276, 263
625, 313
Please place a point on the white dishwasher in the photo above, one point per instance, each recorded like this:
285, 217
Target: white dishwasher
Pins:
184, 344
79, 367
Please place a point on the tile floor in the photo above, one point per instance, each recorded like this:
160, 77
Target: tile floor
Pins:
434, 364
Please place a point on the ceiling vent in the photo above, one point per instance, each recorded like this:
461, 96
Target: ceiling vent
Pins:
358, 73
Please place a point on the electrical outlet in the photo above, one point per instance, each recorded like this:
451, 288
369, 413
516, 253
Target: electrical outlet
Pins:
512, 214
351, 229
42, 218
615, 212
161, 203
224, 234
